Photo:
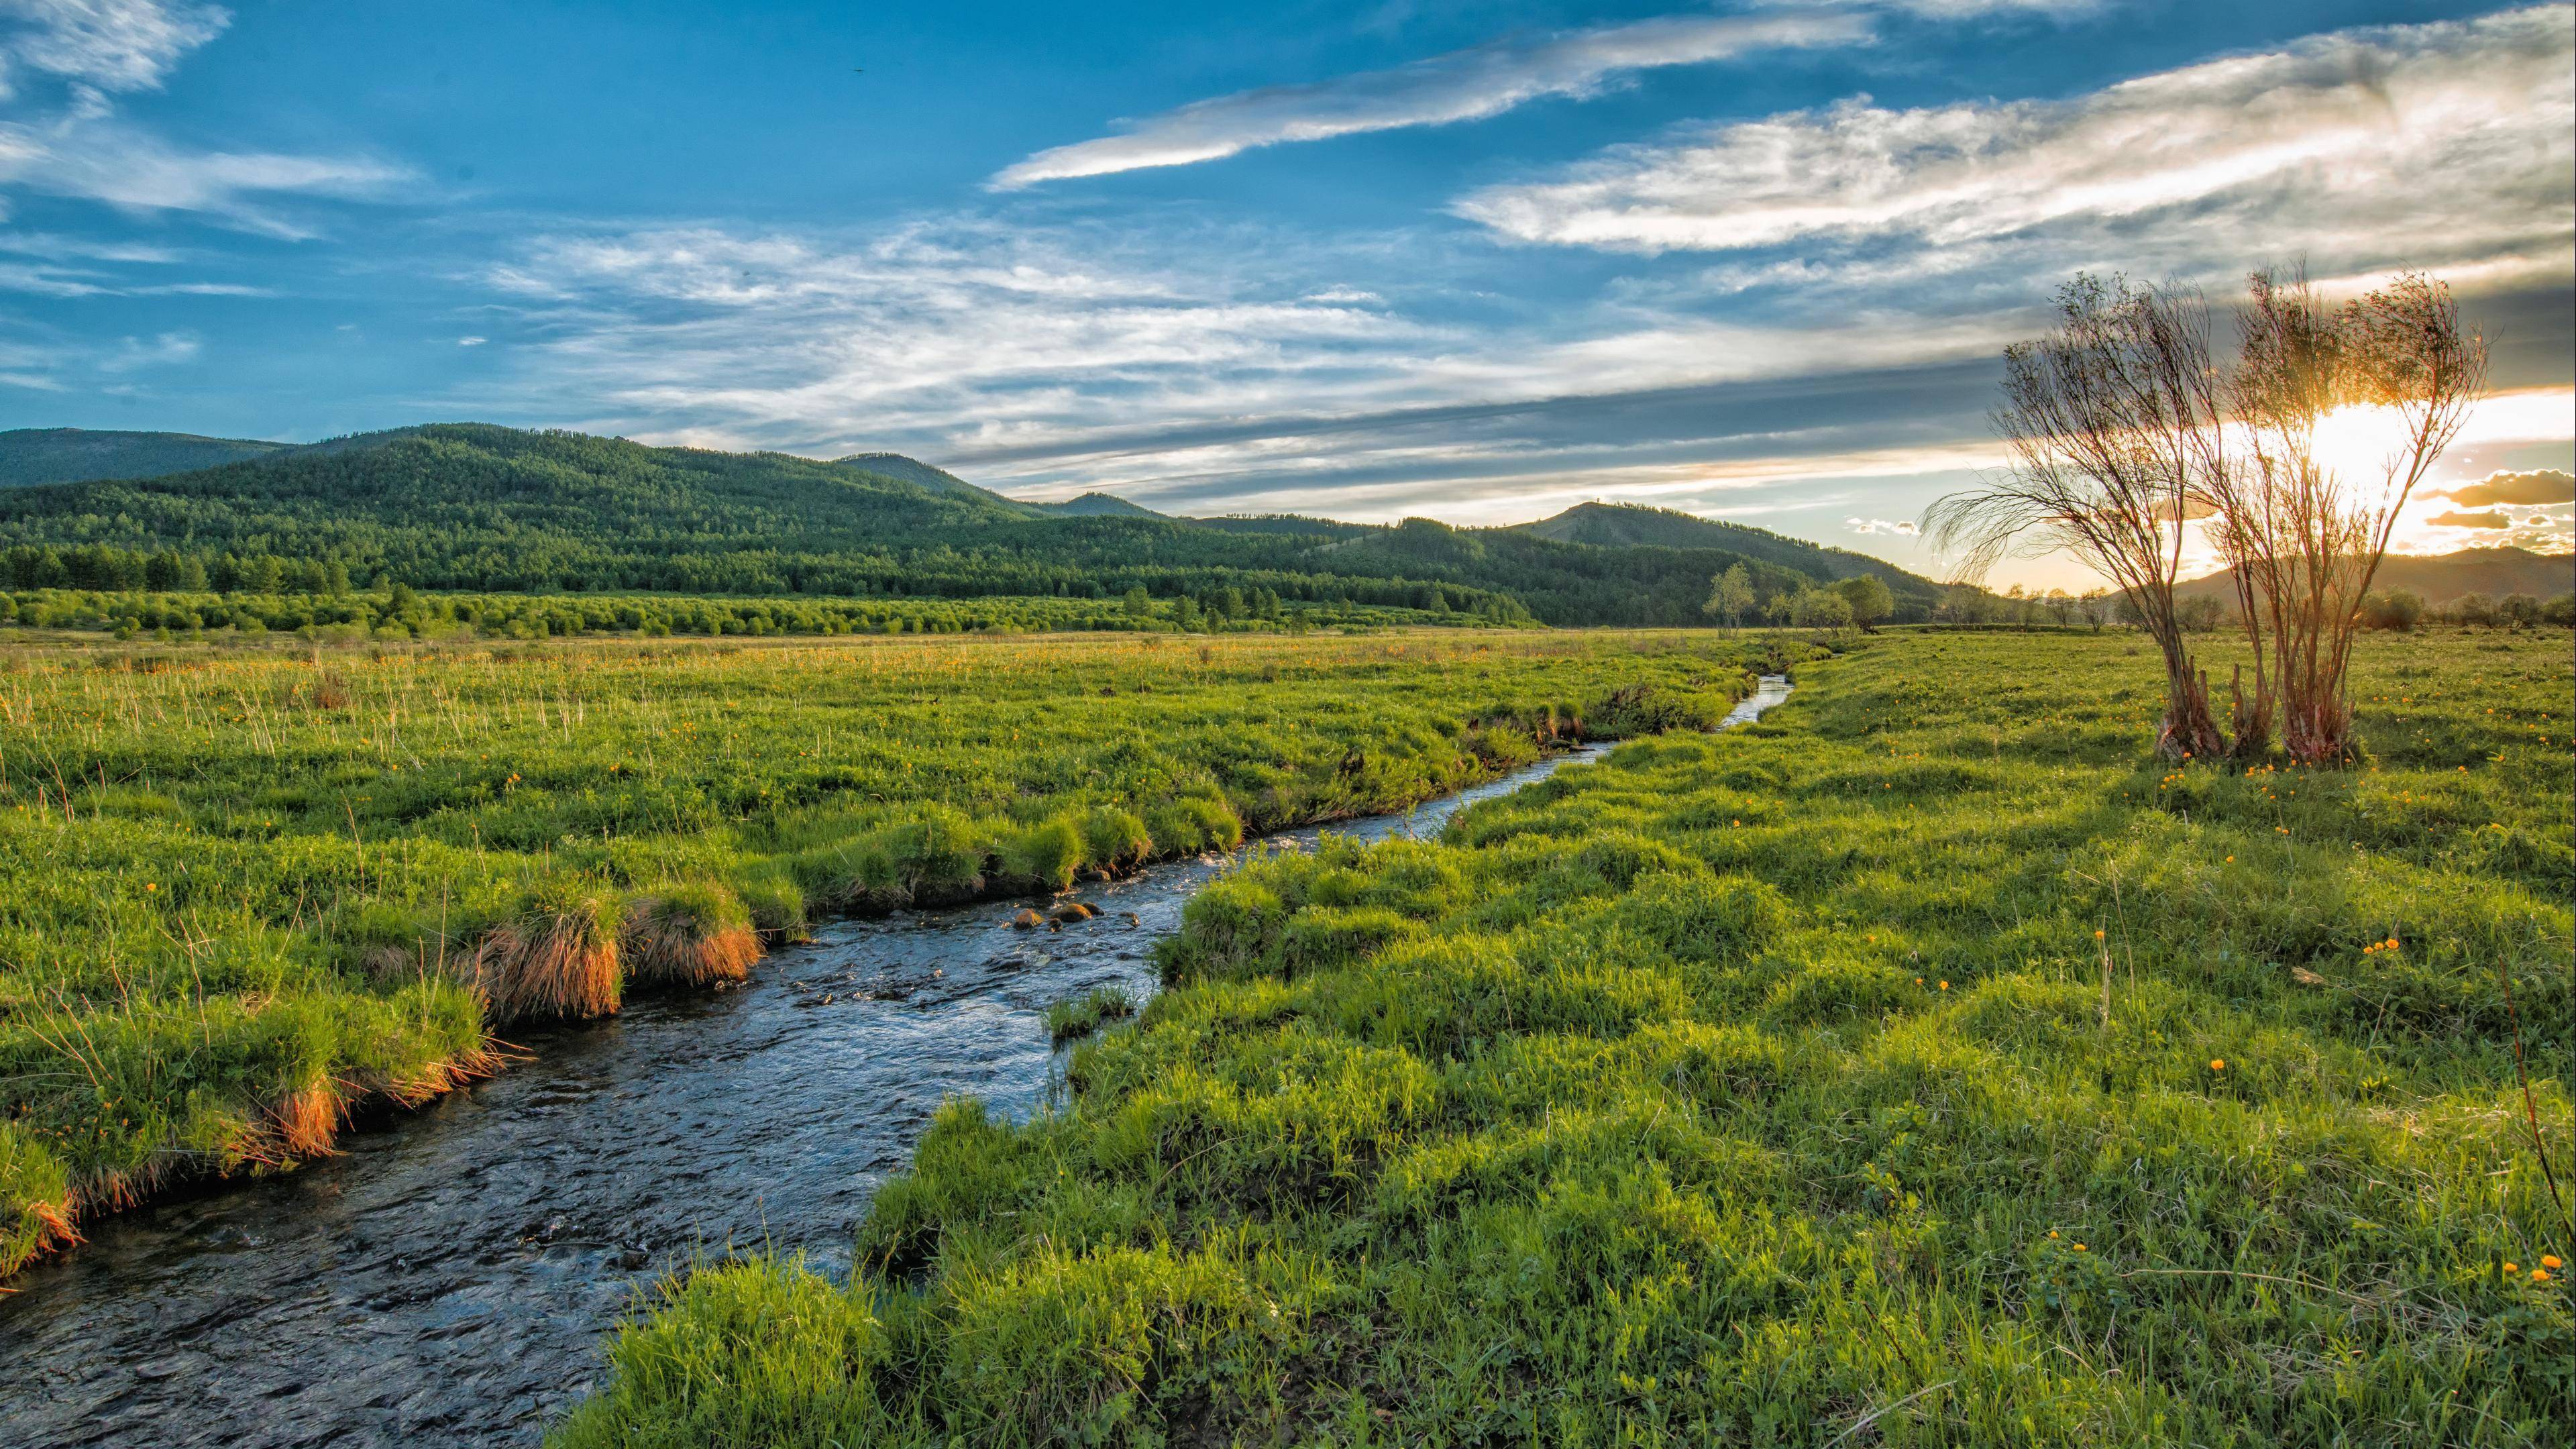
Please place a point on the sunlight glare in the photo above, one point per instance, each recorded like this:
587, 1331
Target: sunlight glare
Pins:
2360, 445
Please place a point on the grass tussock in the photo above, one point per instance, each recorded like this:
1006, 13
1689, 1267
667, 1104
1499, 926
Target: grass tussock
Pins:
228, 874
558, 962
1088, 1013
308, 1121
1923, 1065
688, 935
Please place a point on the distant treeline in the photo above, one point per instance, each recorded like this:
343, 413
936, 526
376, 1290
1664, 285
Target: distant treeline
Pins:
400, 612
2401, 610
471, 508
103, 568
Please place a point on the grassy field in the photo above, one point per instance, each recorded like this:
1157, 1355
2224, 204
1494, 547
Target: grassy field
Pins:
1920, 1066
242, 890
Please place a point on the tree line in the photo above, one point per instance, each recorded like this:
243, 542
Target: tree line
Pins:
400, 612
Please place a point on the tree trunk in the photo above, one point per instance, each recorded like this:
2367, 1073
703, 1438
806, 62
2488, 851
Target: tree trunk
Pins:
2188, 731
2251, 715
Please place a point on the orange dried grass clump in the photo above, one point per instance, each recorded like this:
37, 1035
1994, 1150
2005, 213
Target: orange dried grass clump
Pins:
555, 963
309, 1120
689, 936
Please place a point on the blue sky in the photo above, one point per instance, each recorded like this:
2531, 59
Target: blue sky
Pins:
1475, 261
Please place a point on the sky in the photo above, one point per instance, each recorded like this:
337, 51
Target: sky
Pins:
1478, 262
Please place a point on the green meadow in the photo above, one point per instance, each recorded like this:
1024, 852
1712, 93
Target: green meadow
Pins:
1923, 1065
245, 890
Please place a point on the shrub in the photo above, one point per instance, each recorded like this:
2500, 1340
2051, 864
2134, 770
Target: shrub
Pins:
2394, 609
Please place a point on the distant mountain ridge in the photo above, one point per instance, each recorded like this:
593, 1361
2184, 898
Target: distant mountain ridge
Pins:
1614, 525
2437, 578
32, 457
1093, 505
476, 506
920, 474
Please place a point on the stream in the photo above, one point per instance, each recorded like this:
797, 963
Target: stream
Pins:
448, 1277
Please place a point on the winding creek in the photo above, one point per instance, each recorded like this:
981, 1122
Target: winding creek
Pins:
449, 1276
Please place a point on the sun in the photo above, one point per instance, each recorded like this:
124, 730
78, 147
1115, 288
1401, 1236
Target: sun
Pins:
2362, 446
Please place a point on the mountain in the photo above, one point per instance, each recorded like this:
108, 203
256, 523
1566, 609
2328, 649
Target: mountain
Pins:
1094, 505
920, 475
473, 506
1628, 525
940, 480
2440, 577
32, 456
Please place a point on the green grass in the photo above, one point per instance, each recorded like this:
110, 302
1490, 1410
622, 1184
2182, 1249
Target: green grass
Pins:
242, 890
1920, 1066
1083, 1015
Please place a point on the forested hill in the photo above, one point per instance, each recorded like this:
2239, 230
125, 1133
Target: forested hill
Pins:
471, 506
31, 456
935, 480
1629, 525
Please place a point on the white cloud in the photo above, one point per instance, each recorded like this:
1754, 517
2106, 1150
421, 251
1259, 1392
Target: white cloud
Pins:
2452, 138
471, 341
960, 330
1962, 9
1209, 369
57, 365
57, 248
108, 45
133, 170
1054, 356
79, 148
132, 354
1463, 85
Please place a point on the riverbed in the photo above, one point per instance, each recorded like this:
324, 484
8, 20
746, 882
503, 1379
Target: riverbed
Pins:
448, 1277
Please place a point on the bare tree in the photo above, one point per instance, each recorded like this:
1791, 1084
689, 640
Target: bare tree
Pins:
2306, 537
2112, 420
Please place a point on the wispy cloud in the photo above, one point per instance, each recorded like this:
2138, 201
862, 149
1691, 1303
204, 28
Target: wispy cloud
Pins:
131, 169
71, 143
2453, 138
1082, 357
44, 361
1460, 86
1814, 378
110, 45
